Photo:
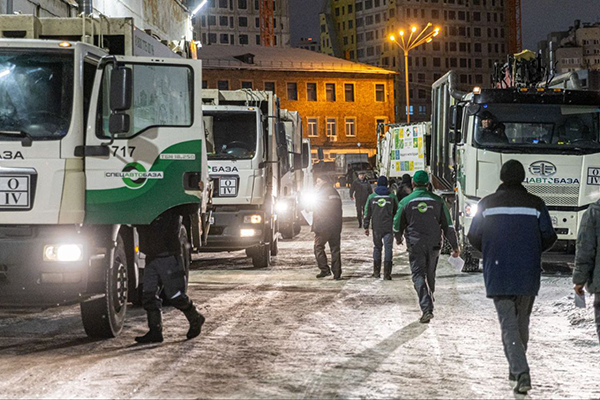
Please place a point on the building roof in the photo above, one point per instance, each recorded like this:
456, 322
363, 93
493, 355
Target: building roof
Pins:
279, 59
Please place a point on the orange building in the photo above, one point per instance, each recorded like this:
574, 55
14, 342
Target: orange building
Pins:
341, 102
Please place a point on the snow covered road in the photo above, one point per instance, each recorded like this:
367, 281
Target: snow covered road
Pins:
281, 333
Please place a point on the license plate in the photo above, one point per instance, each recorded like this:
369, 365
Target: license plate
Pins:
227, 187
14, 192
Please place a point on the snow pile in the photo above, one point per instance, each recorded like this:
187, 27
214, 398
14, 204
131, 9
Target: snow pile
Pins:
582, 318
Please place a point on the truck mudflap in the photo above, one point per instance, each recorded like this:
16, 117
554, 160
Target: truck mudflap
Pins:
31, 275
236, 230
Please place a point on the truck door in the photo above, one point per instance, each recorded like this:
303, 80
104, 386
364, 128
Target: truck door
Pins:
158, 163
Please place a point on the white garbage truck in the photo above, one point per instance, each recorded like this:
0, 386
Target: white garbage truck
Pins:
92, 145
252, 153
554, 133
401, 149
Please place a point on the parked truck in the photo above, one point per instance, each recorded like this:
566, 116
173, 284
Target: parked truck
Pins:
554, 133
401, 149
347, 165
92, 145
249, 157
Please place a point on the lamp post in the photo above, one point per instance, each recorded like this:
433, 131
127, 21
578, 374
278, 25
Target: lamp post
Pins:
414, 40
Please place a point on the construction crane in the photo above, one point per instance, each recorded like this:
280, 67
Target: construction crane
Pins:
515, 34
267, 29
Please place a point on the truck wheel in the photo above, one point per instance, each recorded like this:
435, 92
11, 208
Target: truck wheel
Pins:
261, 257
297, 227
104, 317
288, 231
274, 243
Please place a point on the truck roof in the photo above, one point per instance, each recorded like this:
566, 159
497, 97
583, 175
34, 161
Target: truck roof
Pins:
47, 44
537, 96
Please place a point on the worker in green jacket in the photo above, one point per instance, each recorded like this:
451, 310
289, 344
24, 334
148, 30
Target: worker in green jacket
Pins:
422, 217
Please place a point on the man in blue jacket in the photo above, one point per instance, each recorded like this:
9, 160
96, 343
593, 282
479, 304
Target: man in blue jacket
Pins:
512, 228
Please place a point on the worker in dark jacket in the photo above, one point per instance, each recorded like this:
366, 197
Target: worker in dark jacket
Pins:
327, 226
405, 187
422, 217
159, 241
587, 258
512, 228
359, 192
380, 208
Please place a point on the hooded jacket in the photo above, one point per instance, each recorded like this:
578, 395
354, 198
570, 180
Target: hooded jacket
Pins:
381, 207
512, 228
422, 217
587, 256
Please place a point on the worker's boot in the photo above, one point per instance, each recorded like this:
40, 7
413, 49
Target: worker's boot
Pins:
154, 335
196, 321
387, 271
376, 270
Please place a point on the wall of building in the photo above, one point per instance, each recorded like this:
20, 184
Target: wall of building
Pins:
236, 22
365, 109
42, 8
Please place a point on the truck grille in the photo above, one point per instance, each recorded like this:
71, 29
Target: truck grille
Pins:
554, 195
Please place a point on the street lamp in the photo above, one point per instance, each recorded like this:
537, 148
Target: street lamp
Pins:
197, 9
414, 40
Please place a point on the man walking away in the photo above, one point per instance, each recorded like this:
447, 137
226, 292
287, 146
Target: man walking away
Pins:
587, 270
164, 268
405, 187
380, 208
327, 226
422, 217
512, 228
359, 192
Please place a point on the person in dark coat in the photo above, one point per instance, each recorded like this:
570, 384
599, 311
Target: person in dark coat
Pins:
422, 217
512, 228
405, 187
587, 261
359, 192
164, 270
327, 226
380, 208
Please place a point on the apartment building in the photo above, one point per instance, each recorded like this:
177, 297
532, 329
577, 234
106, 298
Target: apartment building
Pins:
237, 22
309, 44
341, 102
575, 49
474, 35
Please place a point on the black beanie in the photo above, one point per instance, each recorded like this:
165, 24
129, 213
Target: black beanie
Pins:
512, 172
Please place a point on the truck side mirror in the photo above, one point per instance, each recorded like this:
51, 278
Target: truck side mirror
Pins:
121, 89
281, 138
298, 158
305, 156
119, 123
455, 121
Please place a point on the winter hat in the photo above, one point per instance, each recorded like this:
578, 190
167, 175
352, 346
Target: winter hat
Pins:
512, 172
421, 178
406, 179
382, 181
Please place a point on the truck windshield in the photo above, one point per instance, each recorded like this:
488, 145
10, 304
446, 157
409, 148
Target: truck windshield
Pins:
36, 94
538, 127
230, 135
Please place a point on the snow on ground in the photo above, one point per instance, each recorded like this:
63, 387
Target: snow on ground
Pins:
281, 333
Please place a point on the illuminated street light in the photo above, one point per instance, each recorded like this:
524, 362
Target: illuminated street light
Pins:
425, 36
197, 9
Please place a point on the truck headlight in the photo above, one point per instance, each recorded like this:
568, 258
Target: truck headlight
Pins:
309, 199
253, 219
281, 207
63, 252
247, 232
471, 209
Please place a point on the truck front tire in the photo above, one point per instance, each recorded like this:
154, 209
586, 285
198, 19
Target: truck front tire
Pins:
104, 317
261, 256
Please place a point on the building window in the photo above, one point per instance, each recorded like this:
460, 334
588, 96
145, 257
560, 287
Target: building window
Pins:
350, 127
242, 4
380, 93
332, 129
330, 91
311, 92
243, 22
224, 38
223, 20
380, 121
292, 91
246, 84
243, 39
204, 84
212, 20
313, 127
270, 87
349, 92
223, 85
258, 40
222, 3
422, 110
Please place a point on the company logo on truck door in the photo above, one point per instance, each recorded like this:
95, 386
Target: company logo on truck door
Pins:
134, 175
542, 168
223, 168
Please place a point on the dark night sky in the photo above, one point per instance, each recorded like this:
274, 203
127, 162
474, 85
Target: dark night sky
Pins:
539, 17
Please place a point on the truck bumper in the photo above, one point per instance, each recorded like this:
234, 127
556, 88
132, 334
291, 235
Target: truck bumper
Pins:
234, 230
26, 279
